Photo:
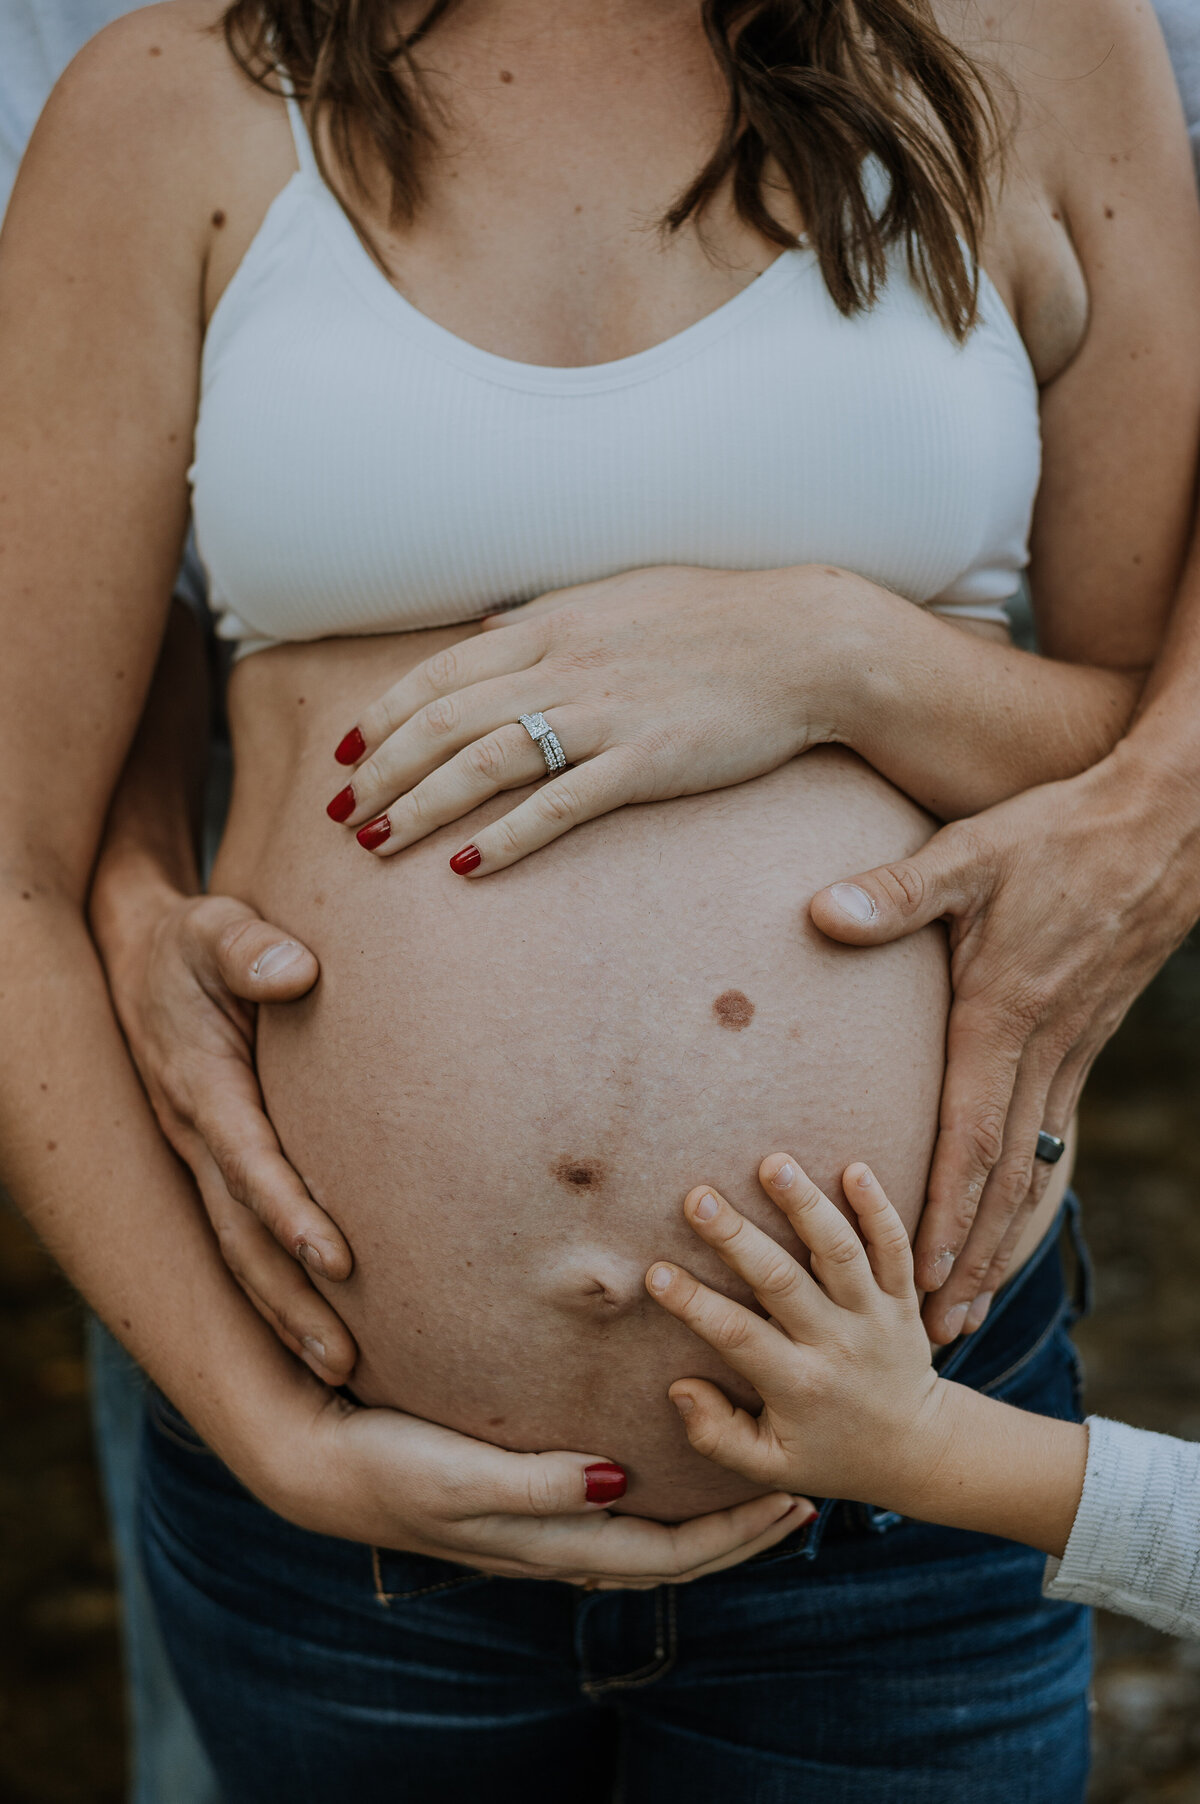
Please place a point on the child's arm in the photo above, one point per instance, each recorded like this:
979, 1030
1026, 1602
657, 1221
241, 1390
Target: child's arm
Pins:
853, 1408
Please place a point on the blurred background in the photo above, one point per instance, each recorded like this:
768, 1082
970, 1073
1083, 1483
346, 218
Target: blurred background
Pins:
61, 1730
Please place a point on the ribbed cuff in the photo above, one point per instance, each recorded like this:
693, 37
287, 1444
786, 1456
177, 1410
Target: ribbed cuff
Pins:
1135, 1543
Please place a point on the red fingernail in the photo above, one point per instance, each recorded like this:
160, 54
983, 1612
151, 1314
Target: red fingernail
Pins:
375, 832
352, 747
342, 805
469, 859
605, 1482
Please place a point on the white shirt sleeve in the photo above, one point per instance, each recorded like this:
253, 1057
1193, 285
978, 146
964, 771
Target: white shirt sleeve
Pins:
1135, 1544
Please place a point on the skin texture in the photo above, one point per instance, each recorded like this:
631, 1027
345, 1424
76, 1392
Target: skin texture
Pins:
851, 1404
123, 350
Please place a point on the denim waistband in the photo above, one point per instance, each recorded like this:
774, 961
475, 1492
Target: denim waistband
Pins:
1026, 1312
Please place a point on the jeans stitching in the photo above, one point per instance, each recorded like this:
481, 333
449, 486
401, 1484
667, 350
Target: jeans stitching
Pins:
666, 1649
387, 1598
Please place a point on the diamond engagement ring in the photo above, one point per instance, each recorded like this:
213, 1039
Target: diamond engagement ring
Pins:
1050, 1148
543, 735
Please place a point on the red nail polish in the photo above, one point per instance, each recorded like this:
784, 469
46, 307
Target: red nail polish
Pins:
352, 747
469, 859
605, 1482
375, 832
342, 805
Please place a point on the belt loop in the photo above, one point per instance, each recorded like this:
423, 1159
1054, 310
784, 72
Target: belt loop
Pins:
814, 1534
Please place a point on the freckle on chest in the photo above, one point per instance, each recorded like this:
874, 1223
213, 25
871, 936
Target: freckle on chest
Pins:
734, 1010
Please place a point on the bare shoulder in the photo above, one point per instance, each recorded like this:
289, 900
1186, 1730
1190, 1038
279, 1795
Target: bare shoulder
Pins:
153, 105
1081, 77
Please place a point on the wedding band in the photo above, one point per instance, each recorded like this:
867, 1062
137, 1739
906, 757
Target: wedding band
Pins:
1050, 1148
543, 735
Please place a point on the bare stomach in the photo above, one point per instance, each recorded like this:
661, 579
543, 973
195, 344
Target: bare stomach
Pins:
503, 1089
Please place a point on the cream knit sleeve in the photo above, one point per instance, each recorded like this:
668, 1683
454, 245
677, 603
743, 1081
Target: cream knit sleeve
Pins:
1135, 1545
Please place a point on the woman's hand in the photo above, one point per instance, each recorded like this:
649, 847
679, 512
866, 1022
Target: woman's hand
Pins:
659, 683
850, 1399
185, 974
395, 1481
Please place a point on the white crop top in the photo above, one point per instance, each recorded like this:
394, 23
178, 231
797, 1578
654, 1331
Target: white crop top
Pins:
360, 469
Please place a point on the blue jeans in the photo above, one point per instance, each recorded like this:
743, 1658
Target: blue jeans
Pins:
166, 1759
870, 1660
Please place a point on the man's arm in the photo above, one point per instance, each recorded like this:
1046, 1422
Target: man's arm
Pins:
1062, 904
185, 973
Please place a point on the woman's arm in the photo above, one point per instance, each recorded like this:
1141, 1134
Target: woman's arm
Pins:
852, 1408
101, 266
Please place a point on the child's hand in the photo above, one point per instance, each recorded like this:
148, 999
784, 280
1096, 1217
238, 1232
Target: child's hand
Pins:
850, 1400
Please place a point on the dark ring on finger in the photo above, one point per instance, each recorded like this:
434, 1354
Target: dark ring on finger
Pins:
1050, 1148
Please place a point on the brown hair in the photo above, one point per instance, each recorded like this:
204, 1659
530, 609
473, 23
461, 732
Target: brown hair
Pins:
815, 88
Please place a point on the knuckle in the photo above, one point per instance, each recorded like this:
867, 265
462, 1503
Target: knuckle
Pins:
506, 838
486, 760
440, 717
557, 803
983, 1137
778, 1277
441, 671
729, 1331
903, 884
539, 1489
842, 1251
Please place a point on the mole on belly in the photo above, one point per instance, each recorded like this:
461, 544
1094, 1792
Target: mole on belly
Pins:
579, 1174
733, 1010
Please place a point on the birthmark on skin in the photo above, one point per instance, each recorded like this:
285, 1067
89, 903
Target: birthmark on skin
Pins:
495, 1421
1109, 214
506, 75
579, 1174
155, 50
218, 219
52, 1146
734, 1010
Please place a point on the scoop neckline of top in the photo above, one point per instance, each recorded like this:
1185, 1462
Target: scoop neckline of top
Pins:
371, 282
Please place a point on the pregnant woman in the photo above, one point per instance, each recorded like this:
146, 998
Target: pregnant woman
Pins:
715, 334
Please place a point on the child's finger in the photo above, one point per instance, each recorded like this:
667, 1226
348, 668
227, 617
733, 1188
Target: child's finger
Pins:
887, 1239
781, 1285
839, 1257
745, 1342
727, 1436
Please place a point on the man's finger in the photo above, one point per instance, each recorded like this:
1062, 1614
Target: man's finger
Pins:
278, 1287
946, 877
228, 1116
261, 963
1004, 1195
982, 1060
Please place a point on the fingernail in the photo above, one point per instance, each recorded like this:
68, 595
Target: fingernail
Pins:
941, 1268
660, 1278
276, 959
810, 1514
469, 859
954, 1320
310, 1256
342, 805
352, 747
853, 901
978, 1310
316, 1347
785, 1177
605, 1482
706, 1208
684, 1404
375, 832
866, 1178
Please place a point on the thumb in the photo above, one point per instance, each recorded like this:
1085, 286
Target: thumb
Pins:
946, 877
542, 1484
259, 962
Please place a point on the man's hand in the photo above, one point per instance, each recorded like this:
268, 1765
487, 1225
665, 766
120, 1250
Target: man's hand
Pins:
1062, 904
184, 987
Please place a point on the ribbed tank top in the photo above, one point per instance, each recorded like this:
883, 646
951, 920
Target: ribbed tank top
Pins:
360, 469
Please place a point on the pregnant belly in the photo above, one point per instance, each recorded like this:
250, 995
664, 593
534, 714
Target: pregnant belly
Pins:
502, 1090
